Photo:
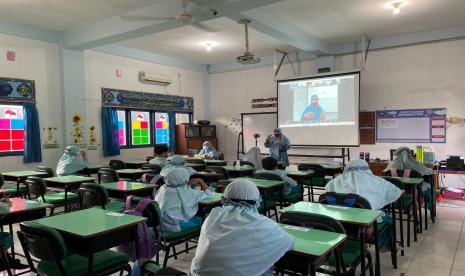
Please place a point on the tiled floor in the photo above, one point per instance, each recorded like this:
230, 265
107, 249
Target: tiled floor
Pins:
440, 251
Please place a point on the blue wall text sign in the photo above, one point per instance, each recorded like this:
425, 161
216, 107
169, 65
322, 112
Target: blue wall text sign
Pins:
411, 126
143, 100
17, 90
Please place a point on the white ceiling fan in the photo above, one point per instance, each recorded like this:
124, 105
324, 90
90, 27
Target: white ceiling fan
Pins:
185, 18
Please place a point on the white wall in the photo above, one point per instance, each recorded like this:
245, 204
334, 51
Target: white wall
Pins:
100, 71
35, 60
419, 76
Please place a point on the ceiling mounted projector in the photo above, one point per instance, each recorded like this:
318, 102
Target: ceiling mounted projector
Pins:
247, 58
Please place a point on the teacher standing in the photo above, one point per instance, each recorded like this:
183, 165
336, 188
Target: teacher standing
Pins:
278, 145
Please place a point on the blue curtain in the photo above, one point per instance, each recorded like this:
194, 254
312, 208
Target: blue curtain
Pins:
110, 136
172, 126
32, 146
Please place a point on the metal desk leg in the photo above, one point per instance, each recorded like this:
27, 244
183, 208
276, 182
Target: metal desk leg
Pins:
420, 220
362, 251
394, 237
433, 202
401, 224
312, 268
377, 264
415, 217
90, 257
337, 255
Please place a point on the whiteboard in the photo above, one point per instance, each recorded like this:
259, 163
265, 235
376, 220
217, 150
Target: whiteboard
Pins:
257, 123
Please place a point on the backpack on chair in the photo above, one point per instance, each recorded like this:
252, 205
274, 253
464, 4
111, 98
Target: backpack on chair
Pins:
148, 248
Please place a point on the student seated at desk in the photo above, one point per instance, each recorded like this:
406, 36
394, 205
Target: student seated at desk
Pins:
208, 150
236, 240
179, 202
358, 179
253, 156
72, 161
270, 165
160, 154
404, 160
177, 161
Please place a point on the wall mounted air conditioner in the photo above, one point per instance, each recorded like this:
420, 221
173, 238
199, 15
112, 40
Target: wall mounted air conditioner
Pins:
154, 78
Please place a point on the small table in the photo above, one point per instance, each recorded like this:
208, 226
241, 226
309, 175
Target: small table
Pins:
135, 164
132, 174
332, 169
214, 162
239, 171
208, 175
69, 183
19, 210
21, 176
363, 218
208, 203
314, 244
122, 189
92, 230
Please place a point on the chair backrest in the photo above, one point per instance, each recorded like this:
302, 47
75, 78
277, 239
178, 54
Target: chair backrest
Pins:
151, 212
318, 170
2, 180
45, 169
98, 196
155, 169
42, 242
117, 164
221, 186
267, 176
413, 173
244, 163
343, 199
192, 152
219, 169
317, 221
106, 175
220, 155
36, 187
148, 158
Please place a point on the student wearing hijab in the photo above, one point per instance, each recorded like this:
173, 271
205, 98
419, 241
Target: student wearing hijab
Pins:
72, 161
278, 144
253, 156
160, 154
208, 150
177, 161
236, 240
404, 160
179, 202
358, 179
270, 165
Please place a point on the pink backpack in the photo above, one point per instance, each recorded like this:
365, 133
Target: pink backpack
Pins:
148, 248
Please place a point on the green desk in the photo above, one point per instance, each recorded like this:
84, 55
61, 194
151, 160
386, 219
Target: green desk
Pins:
417, 218
314, 244
330, 169
298, 174
122, 189
213, 162
132, 174
135, 164
93, 230
21, 176
362, 218
68, 183
266, 187
239, 171
15, 210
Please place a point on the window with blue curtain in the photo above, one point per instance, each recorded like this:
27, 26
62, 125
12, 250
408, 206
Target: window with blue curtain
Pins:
110, 131
32, 146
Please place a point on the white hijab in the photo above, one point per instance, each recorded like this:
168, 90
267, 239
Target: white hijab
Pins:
176, 162
69, 162
358, 179
236, 240
404, 160
253, 156
177, 201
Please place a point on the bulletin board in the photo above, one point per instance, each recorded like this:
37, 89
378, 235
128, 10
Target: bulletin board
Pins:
411, 126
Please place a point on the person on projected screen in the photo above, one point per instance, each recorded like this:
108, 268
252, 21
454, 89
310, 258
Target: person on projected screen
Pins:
313, 112
278, 145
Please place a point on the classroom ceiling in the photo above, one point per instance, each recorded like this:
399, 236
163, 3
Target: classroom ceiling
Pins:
186, 42
60, 15
343, 20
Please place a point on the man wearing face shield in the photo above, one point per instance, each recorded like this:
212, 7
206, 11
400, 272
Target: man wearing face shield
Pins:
278, 144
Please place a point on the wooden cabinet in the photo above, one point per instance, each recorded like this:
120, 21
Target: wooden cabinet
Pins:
190, 136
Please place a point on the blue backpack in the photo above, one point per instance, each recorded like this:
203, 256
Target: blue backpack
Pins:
148, 248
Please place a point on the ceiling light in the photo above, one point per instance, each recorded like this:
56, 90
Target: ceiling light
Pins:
395, 6
209, 45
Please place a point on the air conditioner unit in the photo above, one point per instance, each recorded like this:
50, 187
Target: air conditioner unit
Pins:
154, 78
